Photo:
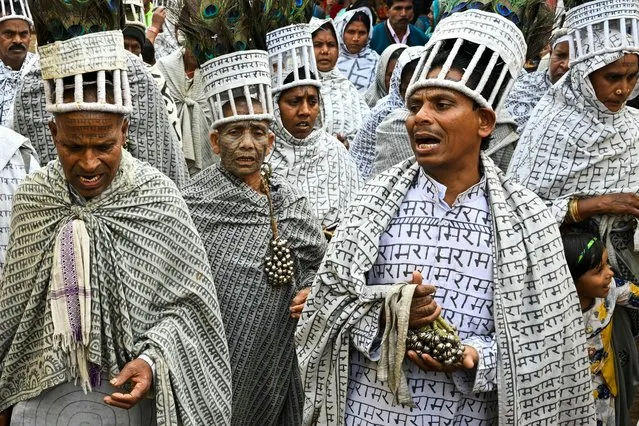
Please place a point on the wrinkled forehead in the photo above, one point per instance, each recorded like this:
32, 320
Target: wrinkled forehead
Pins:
241, 107
89, 124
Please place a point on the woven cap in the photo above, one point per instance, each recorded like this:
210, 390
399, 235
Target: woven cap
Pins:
239, 76
98, 58
490, 36
602, 16
15, 9
290, 49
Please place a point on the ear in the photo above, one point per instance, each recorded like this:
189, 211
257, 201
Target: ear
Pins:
54, 130
125, 129
215, 141
271, 141
487, 120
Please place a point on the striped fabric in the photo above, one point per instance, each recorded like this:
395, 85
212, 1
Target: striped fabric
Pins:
151, 290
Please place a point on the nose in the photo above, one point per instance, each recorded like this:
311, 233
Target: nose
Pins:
246, 141
304, 109
424, 115
90, 162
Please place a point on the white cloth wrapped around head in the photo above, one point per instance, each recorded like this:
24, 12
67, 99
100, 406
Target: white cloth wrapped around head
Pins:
489, 49
602, 16
15, 9
290, 51
238, 77
96, 59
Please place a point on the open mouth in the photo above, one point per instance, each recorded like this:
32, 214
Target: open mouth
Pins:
426, 142
245, 160
90, 181
303, 125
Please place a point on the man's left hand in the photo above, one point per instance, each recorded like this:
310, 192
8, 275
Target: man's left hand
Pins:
428, 363
139, 373
297, 305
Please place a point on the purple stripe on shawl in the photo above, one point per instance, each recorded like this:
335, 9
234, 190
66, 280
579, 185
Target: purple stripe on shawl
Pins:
70, 281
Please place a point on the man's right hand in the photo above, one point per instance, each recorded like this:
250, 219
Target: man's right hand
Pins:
423, 309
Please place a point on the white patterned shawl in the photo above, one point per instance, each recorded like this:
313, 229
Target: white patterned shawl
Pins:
192, 108
359, 67
573, 145
525, 95
150, 137
344, 107
319, 166
363, 147
9, 79
542, 368
166, 42
234, 222
15, 150
151, 292
378, 90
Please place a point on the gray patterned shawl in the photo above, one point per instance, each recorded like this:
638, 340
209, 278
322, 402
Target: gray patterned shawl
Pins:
151, 291
9, 79
525, 95
150, 137
193, 110
234, 223
542, 373
378, 90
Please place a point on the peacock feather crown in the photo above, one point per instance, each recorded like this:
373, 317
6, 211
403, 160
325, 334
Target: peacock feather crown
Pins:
229, 39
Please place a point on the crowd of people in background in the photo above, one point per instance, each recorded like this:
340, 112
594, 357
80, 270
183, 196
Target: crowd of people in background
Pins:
325, 212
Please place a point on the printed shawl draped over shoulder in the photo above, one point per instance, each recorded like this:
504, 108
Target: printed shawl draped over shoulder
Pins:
542, 373
151, 291
150, 136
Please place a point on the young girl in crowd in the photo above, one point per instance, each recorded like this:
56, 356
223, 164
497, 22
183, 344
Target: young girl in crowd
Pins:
599, 292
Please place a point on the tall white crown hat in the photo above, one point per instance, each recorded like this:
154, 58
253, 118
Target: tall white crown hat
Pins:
239, 76
494, 35
15, 9
95, 59
604, 16
289, 49
134, 14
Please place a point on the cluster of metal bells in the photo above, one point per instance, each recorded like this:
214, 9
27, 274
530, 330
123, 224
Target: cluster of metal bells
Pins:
279, 264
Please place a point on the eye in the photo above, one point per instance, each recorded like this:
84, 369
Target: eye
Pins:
414, 107
442, 105
105, 148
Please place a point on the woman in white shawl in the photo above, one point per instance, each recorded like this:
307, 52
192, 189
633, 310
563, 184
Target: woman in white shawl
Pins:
385, 68
310, 158
357, 60
580, 153
344, 106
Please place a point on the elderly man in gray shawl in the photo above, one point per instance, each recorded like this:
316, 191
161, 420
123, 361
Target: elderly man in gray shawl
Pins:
262, 240
107, 298
490, 247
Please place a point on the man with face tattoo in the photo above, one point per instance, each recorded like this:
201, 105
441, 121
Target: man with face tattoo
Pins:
262, 241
